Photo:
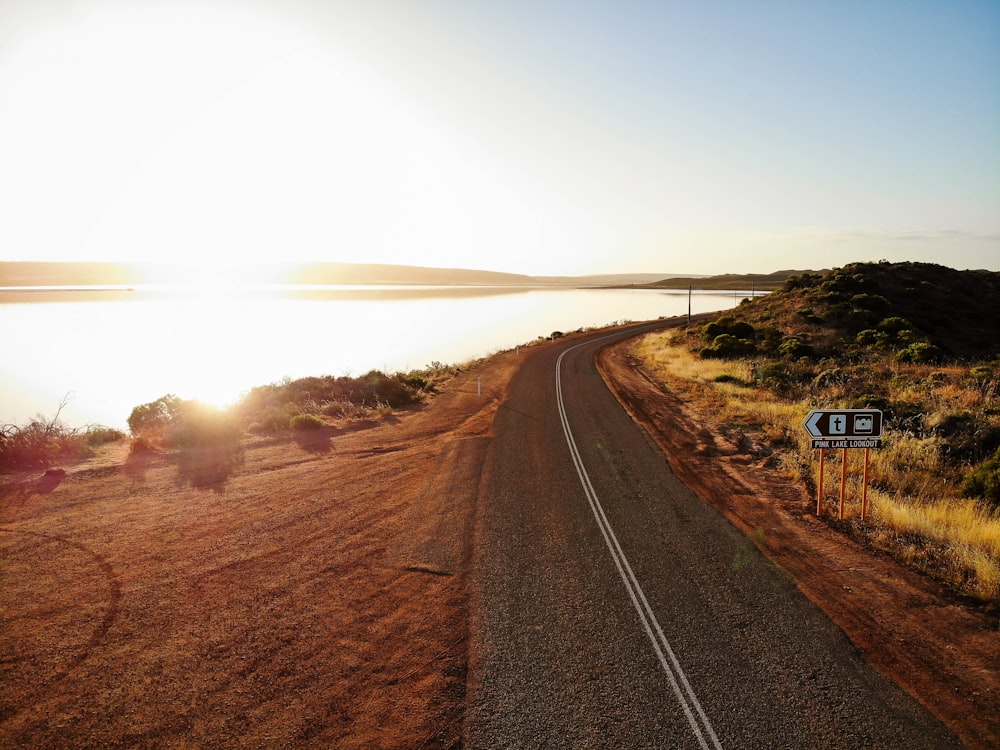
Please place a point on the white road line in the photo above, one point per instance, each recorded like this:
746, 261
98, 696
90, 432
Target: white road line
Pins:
696, 717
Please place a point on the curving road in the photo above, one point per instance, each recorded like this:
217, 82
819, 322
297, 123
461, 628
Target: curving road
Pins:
611, 608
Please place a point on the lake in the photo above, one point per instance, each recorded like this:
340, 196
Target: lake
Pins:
108, 351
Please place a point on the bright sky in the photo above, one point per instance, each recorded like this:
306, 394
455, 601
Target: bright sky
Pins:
563, 137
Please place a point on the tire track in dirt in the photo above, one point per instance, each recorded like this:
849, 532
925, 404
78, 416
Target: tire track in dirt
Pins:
97, 635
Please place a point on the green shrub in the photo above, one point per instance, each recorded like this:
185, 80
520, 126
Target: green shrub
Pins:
271, 419
156, 415
768, 339
727, 346
794, 347
200, 425
919, 352
981, 373
809, 316
872, 303
97, 435
803, 281
417, 382
171, 422
965, 436
775, 375
303, 422
873, 338
984, 481
727, 325
831, 378
894, 325
270, 408
376, 388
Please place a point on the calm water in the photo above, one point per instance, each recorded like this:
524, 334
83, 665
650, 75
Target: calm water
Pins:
113, 350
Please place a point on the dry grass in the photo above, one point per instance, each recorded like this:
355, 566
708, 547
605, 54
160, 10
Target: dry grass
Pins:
916, 510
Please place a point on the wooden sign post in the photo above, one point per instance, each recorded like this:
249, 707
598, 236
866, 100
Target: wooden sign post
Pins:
844, 428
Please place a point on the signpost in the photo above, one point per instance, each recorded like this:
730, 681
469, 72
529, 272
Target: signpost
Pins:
844, 428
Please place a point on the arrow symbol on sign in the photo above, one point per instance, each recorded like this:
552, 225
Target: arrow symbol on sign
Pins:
812, 424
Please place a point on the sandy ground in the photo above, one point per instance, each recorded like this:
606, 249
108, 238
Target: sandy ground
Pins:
314, 593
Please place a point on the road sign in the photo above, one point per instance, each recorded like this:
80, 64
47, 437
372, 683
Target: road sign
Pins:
845, 428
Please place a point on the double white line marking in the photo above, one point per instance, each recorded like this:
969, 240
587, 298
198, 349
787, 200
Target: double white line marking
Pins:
696, 717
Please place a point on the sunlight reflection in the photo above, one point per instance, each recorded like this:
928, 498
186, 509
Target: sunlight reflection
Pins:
218, 340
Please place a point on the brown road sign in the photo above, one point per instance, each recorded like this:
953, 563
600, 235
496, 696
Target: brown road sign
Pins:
845, 428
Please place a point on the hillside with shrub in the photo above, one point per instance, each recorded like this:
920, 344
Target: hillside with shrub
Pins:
921, 342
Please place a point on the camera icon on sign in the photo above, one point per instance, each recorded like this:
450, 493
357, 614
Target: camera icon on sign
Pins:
864, 424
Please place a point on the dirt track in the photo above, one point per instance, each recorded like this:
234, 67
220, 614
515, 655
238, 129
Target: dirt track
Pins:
315, 595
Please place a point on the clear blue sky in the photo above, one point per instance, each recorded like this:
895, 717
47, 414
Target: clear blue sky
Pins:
534, 137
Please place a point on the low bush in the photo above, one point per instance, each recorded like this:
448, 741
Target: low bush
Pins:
795, 347
727, 346
269, 408
727, 325
37, 445
43, 442
984, 481
302, 422
97, 435
171, 422
201, 425
156, 415
919, 352
271, 419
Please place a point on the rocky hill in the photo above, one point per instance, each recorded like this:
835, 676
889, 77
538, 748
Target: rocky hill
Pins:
930, 311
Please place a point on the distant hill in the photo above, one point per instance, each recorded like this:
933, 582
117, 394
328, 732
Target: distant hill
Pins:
887, 306
28, 273
375, 273
758, 281
610, 279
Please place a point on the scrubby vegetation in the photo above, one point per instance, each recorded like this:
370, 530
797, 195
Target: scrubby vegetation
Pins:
172, 423
271, 408
303, 404
43, 442
208, 440
304, 422
920, 342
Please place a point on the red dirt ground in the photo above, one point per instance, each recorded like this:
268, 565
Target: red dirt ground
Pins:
312, 596
315, 594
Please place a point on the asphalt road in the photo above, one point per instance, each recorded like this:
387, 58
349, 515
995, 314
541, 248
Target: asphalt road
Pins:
612, 608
